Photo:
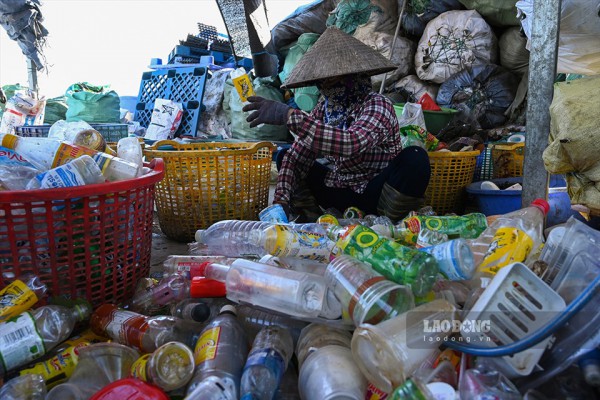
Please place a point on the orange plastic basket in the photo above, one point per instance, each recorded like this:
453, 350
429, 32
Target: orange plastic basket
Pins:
451, 172
508, 159
208, 182
89, 242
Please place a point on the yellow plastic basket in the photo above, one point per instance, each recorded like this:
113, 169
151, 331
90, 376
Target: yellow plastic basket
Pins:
208, 182
508, 159
451, 172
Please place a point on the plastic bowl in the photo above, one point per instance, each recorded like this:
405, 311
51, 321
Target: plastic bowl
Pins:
435, 120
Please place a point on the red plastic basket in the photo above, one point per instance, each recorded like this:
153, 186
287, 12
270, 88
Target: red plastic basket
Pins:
89, 242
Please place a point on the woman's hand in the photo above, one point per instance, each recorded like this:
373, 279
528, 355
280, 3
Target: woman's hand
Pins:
267, 111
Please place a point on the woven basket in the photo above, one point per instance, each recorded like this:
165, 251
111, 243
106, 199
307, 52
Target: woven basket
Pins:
451, 172
208, 182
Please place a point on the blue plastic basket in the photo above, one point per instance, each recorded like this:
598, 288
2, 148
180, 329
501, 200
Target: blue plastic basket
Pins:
110, 132
182, 85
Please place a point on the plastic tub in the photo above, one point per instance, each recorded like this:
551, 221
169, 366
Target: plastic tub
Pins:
497, 202
435, 120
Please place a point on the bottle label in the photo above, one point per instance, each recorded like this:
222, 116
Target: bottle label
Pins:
138, 369
270, 358
301, 244
58, 368
20, 341
126, 327
243, 85
509, 245
67, 152
467, 226
62, 176
16, 298
374, 393
207, 345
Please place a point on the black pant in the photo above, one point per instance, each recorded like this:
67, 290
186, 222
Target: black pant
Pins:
408, 172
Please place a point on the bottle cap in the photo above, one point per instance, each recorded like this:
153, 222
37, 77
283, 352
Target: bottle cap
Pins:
203, 287
542, 205
10, 141
199, 235
228, 308
200, 312
130, 388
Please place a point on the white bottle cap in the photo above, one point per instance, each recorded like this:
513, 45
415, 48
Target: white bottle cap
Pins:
487, 185
441, 391
228, 308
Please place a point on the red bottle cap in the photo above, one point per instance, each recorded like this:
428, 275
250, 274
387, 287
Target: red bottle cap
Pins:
542, 205
130, 389
203, 287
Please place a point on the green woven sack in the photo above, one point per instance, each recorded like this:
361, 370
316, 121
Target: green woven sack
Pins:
92, 104
56, 109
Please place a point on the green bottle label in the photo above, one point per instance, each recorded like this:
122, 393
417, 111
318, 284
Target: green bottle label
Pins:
468, 226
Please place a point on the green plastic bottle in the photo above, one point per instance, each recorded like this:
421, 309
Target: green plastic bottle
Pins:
411, 389
467, 226
394, 261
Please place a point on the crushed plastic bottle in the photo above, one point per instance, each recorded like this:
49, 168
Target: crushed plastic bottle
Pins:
78, 172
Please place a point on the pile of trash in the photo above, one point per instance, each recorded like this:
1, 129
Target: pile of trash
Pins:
351, 306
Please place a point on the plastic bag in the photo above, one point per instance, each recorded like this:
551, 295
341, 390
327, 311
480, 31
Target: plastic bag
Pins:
419, 12
452, 42
24, 108
495, 12
412, 114
413, 135
66, 131
349, 14
166, 117
56, 109
579, 36
411, 88
486, 91
93, 104
403, 56
428, 104
213, 121
514, 55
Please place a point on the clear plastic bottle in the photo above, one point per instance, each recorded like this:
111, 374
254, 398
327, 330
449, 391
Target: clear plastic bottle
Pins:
394, 261
231, 238
169, 367
199, 310
46, 154
455, 259
254, 320
172, 288
189, 266
78, 172
220, 352
467, 226
20, 295
366, 296
290, 292
129, 149
139, 331
31, 334
510, 238
316, 336
30, 387
427, 237
268, 359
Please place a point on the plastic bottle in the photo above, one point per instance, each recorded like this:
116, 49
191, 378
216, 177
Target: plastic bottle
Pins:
31, 334
510, 238
78, 172
268, 359
139, 331
30, 387
411, 389
484, 382
254, 320
242, 83
20, 295
394, 261
366, 296
199, 310
172, 288
468, 226
316, 336
290, 292
129, 149
231, 238
389, 352
169, 367
189, 266
455, 259
220, 352
46, 154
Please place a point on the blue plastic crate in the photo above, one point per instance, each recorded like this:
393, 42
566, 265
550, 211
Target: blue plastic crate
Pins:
110, 132
182, 85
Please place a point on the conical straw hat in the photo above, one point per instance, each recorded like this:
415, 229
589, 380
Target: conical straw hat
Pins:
335, 54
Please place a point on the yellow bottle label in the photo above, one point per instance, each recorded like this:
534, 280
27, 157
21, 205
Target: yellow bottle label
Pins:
243, 85
510, 245
16, 298
207, 345
138, 369
58, 368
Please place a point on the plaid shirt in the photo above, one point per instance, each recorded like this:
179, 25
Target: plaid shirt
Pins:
357, 154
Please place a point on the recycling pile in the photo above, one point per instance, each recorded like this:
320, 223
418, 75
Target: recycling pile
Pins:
350, 306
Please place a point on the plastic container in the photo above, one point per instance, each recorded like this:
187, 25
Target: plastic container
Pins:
389, 352
209, 182
455, 259
508, 159
110, 132
497, 202
434, 120
89, 242
366, 296
451, 173
331, 373
315, 336
20, 295
131, 389
169, 367
515, 303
